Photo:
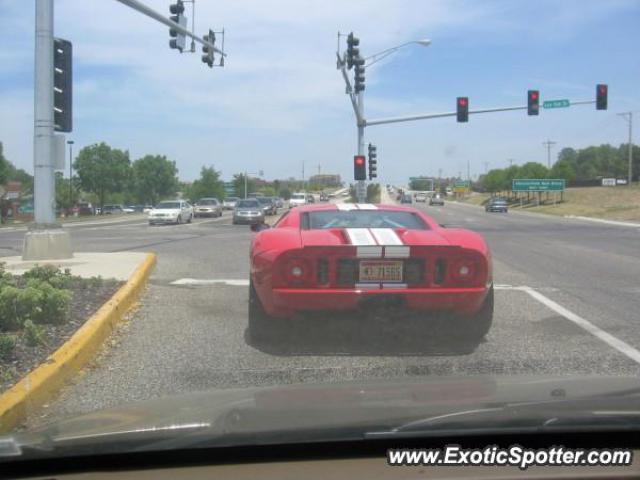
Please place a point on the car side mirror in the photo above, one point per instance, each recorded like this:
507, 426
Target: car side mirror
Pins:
258, 227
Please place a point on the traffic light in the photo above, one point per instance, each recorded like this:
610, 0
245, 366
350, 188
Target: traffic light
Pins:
358, 74
533, 102
359, 167
62, 85
462, 111
207, 51
373, 161
352, 49
602, 93
178, 40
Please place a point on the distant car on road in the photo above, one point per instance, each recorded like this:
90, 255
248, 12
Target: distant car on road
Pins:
248, 211
85, 208
297, 199
112, 209
207, 207
229, 203
324, 197
311, 261
174, 211
406, 198
268, 206
497, 205
436, 200
421, 197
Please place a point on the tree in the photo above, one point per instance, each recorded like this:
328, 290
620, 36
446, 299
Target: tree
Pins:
62, 193
103, 170
564, 170
495, 181
420, 184
238, 183
532, 170
208, 185
153, 177
5, 167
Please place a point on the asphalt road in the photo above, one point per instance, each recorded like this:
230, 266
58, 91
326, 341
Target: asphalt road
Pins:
566, 303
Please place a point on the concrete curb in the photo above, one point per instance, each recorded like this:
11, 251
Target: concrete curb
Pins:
41, 383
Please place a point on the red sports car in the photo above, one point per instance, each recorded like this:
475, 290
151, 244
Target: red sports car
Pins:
341, 257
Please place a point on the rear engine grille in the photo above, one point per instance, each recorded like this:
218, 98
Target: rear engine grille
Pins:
440, 272
347, 272
322, 270
414, 271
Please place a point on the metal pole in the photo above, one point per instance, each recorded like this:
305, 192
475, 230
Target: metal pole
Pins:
548, 144
630, 148
70, 142
44, 180
361, 188
245, 185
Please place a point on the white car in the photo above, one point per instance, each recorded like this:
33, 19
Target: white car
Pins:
421, 197
298, 199
174, 211
229, 203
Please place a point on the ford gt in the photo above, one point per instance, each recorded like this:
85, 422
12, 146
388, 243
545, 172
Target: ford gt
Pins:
349, 257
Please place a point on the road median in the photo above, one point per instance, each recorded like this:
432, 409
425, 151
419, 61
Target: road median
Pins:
39, 385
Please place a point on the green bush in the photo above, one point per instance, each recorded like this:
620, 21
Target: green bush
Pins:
10, 311
7, 345
45, 303
50, 274
33, 334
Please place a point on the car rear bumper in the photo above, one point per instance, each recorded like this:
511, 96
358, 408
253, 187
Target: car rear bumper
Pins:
496, 209
248, 220
207, 213
285, 302
162, 221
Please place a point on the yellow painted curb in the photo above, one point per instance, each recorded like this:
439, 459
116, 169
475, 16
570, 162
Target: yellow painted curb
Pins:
38, 385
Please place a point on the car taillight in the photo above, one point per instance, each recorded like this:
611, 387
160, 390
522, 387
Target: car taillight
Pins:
297, 271
464, 270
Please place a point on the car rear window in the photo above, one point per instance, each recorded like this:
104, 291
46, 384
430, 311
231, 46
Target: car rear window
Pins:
207, 201
168, 205
247, 204
362, 219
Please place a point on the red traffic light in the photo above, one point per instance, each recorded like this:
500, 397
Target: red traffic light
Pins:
359, 167
534, 95
462, 102
602, 94
359, 160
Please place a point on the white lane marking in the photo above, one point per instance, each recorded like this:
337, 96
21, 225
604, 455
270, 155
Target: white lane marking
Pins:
369, 252
397, 252
607, 338
201, 281
386, 236
360, 236
602, 220
366, 206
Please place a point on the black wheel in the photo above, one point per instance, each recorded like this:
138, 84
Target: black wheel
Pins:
473, 327
258, 318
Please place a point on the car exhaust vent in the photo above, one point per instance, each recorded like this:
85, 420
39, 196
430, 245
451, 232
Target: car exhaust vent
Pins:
440, 271
414, 272
347, 271
322, 270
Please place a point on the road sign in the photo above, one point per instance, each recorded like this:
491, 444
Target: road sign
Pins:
461, 184
538, 185
457, 189
230, 188
564, 103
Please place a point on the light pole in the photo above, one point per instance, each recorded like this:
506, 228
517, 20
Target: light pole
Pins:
246, 176
357, 98
70, 143
628, 116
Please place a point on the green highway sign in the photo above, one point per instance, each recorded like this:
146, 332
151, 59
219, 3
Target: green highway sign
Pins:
556, 103
461, 184
537, 185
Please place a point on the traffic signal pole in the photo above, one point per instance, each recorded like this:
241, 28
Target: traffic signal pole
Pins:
45, 239
361, 187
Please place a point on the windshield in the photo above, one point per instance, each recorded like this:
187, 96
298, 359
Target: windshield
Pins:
375, 212
168, 205
364, 219
247, 204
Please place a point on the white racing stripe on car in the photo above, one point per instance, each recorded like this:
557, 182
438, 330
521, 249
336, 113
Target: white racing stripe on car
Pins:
360, 236
386, 236
346, 206
369, 286
394, 285
369, 252
366, 206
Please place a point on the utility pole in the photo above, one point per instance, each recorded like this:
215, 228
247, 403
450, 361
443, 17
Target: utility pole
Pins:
511, 162
628, 116
468, 171
486, 167
549, 144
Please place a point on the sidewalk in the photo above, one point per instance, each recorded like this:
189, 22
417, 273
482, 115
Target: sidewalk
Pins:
117, 265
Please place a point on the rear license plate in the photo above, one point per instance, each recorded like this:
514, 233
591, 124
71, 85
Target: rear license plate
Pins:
380, 271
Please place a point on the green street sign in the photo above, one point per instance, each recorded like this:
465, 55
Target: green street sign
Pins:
461, 184
537, 185
564, 103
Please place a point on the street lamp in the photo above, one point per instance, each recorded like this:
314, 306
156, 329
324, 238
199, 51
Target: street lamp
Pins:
246, 176
70, 143
376, 57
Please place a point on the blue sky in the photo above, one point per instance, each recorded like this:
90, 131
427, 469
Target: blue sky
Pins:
280, 102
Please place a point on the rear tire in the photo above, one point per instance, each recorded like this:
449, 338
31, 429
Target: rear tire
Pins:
474, 327
259, 321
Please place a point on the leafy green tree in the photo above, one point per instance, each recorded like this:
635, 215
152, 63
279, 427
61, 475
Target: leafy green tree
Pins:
64, 199
238, 183
5, 167
532, 170
495, 181
420, 184
285, 193
103, 170
208, 185
153, 177
563, 169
